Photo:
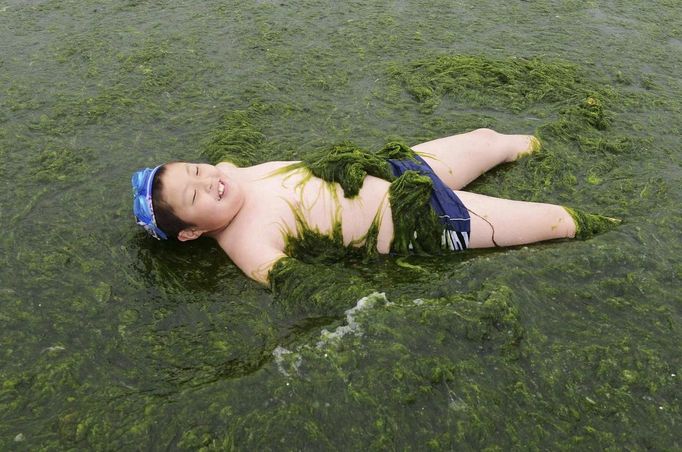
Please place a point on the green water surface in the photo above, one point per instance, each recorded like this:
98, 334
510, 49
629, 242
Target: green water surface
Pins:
110, 340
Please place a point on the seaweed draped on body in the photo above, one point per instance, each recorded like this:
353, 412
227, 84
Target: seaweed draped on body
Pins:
414, 223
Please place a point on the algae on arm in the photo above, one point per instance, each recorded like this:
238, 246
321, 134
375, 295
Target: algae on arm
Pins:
311, 280
322, 290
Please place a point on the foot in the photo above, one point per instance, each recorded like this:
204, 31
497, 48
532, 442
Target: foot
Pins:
588, 225
532, 145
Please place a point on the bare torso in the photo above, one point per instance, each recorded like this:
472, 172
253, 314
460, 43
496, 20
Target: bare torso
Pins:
256, 237
274, 198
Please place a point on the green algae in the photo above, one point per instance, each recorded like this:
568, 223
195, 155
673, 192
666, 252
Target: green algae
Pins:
311, 246
302, 288
348, 165
416, 227
588, 225
53, 165
237, 140
479, 326
513, 84
180, 354
484, 338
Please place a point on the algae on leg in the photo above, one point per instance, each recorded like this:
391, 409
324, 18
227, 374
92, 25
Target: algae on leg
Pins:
534, 146
588, 225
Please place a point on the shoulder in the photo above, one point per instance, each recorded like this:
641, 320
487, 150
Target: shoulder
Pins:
226, 165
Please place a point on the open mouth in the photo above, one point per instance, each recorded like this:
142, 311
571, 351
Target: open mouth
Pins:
221, 190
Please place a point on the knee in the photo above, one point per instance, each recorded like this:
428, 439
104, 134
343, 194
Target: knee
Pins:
507, 147
486, 134
487, 139
484, 131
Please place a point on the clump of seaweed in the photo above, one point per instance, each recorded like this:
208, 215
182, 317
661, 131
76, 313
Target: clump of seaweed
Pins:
500, 318
514, 85
586, 115
511, 84
348, 165
580, 135
414, 221
312, 246
304, 288
416, 227
236, 140
62, 164
345, 164
588, 225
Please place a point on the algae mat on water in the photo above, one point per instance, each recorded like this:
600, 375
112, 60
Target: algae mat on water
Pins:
112, 341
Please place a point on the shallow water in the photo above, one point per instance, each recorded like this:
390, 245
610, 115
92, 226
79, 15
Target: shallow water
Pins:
113, 341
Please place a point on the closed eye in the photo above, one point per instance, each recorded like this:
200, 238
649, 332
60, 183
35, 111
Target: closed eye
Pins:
196, 173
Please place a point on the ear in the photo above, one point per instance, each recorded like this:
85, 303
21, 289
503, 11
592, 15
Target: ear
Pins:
189, 234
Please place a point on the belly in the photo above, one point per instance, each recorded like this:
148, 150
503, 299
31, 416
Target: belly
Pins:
323, 205
370, 208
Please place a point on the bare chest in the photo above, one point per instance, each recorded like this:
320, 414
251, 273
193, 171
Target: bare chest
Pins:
282, 204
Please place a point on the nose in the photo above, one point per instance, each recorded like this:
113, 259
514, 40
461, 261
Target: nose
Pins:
206, 182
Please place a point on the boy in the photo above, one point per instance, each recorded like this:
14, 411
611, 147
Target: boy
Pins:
256, 213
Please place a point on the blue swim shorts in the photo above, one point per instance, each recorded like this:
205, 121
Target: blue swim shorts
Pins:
447, 205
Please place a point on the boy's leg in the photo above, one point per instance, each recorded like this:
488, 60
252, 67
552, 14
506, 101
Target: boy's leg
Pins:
459, 159
503, 222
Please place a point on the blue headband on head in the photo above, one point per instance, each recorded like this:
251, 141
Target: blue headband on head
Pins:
142, 201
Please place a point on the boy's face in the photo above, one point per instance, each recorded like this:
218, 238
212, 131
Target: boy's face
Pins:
203, 195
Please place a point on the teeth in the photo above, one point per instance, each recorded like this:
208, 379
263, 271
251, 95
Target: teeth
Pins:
221, 189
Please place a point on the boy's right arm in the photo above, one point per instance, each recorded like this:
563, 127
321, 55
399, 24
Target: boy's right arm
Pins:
315, 289
301, 287
257, 261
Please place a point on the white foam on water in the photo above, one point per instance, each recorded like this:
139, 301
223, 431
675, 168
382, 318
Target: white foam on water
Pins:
351, 326
54, 348
289, 362
280, 354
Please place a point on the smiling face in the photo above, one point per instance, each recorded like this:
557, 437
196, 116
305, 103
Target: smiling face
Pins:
203, 195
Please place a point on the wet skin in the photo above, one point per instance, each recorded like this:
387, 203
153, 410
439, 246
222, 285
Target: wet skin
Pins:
203, 195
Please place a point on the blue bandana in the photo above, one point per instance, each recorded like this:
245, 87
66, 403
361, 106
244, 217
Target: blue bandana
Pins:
142, 201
